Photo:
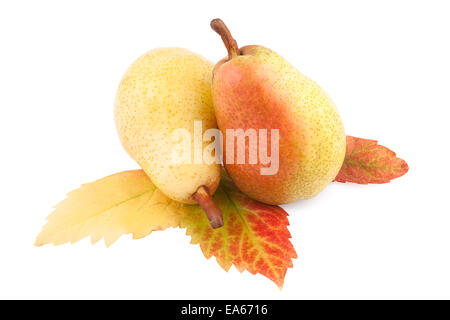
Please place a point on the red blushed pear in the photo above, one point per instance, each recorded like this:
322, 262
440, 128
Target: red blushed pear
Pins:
301, 139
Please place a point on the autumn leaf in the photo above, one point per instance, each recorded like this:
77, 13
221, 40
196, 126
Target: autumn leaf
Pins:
368, 162
126, 202
254, 237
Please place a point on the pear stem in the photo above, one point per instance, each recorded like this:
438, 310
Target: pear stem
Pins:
213, 213
219, 26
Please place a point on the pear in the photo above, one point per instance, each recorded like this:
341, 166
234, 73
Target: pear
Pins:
254, 88
165, 90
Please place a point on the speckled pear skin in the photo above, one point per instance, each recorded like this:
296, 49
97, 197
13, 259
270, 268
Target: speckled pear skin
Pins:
163, 90
259, 89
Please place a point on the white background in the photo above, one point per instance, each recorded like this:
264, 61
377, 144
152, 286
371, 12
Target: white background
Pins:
386, 64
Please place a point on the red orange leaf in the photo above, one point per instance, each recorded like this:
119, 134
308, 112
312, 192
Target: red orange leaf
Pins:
254, 238
368, 162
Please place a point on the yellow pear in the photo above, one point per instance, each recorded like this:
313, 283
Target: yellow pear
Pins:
164, 91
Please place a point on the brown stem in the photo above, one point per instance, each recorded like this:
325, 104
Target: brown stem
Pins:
207, 203
219, 26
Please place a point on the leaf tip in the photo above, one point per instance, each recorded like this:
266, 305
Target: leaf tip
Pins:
40, 241
38, 244
404, 166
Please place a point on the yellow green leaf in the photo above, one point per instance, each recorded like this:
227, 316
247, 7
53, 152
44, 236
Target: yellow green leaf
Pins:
123, 203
